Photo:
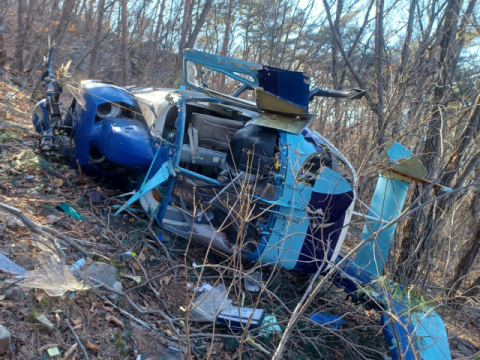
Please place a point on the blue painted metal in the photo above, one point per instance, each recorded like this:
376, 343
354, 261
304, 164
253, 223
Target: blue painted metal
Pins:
415, 328
399, 337
332, 321
296, 241
174, 156
224, 65
199, 176
292, 86
387, 203
95, 93
287, 237
39, 117
398, 152
165, 171
432, 335
280, 183
123, 141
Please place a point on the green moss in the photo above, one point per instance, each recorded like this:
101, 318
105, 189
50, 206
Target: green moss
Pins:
6, 136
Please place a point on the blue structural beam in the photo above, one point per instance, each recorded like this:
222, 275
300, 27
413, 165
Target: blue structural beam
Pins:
387, 203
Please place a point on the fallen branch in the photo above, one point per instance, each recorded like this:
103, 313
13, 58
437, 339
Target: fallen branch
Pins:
85, 354
68, 240
36, 229
155, 237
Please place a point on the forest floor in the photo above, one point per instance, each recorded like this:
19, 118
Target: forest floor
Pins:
111, 328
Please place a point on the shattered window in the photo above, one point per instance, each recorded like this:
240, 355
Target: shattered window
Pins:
314, 165
200, 76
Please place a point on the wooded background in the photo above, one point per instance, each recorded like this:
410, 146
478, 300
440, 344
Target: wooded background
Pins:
418, 60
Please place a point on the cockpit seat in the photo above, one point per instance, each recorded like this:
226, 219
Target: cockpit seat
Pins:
213, 132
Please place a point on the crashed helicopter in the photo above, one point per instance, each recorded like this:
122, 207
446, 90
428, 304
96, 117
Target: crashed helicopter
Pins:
190, 151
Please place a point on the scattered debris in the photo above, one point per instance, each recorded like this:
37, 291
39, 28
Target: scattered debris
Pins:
125, 256
52, 276
271, 321
46, 347
5, 339
209, 304
101, 273
9, 266
69, 210
332, 321
237, 318
14, 293
251, 282
53, 352
94, 196
42, 319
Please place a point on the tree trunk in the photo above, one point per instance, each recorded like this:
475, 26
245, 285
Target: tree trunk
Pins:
465, 262
3, 54
159, 26
55, 9
378, 62
68, 6
125, 73
228, 21
406, 266
198, 24
406, 42
18, 64
465, 139
473, 290
98, 34
187, 14
193, 35
336, 85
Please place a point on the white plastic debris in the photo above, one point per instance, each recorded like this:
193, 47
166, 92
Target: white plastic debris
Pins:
209, 304
42, 319
51, 276
204, 287
252, 283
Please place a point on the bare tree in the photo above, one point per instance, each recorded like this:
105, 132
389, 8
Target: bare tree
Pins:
125, 57
3, 54
21, 34
98, 35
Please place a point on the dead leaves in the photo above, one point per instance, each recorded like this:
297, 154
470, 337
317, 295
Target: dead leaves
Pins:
165, 280
39, 296
57, 182
136, 266
92, 347
76, 321
113, 319
6, 304
69, 352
